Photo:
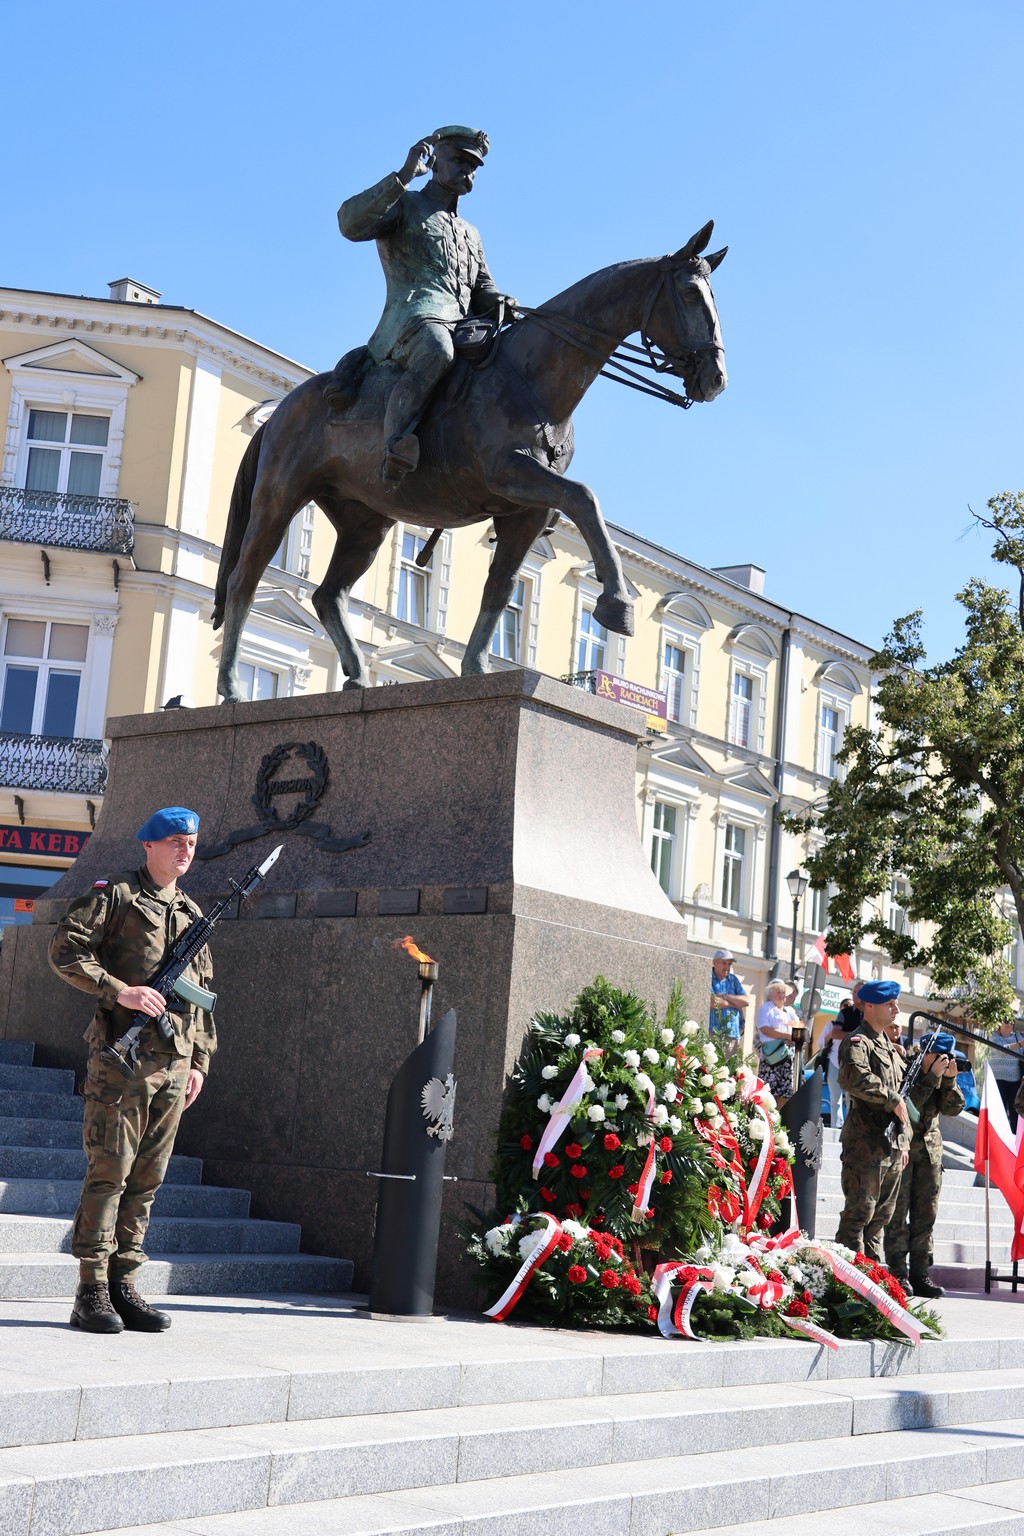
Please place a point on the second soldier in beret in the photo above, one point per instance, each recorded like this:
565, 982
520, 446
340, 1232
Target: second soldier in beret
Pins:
908, 1237
109, 943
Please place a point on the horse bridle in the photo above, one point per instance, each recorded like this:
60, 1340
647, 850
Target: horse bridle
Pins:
625, 353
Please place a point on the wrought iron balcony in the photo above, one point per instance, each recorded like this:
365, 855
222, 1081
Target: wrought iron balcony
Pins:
72, 765
62, 520
585, 680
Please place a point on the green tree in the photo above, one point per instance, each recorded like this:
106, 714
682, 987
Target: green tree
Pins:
935, 794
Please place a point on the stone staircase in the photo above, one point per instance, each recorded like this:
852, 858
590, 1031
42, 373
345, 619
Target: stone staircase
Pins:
960, 1228
201, 1239
307, 1418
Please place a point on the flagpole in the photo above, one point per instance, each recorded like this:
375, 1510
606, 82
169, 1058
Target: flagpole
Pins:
988, 1237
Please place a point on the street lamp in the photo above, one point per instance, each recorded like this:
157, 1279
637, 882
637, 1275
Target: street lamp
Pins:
798, 883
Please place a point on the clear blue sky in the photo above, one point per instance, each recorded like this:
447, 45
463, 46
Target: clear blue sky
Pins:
862, 161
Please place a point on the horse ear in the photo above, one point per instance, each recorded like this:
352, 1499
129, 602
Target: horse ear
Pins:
696, 243
717, 257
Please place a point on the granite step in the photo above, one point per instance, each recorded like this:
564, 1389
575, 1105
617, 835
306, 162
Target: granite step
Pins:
24, 1131
35, 1276
632, 1465
59, 1197
36, 1079
186, 1234
989, 1509
17, 1053
18, 1103
40, 1162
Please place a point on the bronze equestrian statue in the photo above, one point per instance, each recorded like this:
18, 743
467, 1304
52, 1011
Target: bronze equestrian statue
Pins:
396, 433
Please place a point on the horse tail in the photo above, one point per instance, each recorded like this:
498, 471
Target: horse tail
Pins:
238, 522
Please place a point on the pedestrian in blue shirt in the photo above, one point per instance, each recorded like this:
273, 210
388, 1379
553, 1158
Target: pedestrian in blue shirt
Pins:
725, 1020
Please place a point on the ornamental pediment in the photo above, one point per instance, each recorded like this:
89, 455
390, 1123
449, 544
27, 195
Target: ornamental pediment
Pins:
72, 356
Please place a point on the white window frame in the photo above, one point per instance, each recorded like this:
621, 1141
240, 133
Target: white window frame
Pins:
587, 643
295, 552
816, 920
438, 572
522, 610
39, 383
729, 860
841, 706
737, 673
95, 669
588, 590
658, 840
64, 450
899, 896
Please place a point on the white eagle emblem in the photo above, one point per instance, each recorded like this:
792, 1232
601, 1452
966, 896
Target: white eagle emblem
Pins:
812, 1137
438, 1100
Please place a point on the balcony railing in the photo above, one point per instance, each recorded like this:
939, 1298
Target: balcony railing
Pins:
72, 765
585, 680
65, 521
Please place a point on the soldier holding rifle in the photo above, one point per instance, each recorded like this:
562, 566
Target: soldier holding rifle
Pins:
870, 1074
909, 1233
109, 944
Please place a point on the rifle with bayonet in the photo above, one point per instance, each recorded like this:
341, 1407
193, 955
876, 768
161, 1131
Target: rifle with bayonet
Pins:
170, 980
909, 1082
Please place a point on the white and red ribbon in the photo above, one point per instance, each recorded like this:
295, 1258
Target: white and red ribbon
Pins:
850, 1275
674, 1317
562, 1112
646, 1179
545, 1247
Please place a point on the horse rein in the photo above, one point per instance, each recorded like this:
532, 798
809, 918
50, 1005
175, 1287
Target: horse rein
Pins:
646, 355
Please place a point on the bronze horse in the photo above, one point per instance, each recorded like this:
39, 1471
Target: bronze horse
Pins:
495, 444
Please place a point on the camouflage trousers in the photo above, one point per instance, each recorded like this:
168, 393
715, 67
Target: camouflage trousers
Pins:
128, 1133
870, 1190
913, 1222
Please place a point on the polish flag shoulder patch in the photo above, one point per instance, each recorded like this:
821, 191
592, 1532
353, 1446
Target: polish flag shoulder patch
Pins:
98, 885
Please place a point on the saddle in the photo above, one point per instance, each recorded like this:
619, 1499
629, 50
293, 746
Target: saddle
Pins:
473, 339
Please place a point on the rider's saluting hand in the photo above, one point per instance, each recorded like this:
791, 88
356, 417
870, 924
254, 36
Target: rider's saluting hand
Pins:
417, 162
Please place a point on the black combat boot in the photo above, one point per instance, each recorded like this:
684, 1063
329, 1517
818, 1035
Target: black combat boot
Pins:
902, 1277
138, 1316
923, 1286
92, 1311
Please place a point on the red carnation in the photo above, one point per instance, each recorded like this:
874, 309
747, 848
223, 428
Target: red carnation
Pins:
578, 1171
598, 1220
616, 1243
550, 1160
610, 1280
764, 1221
796, 1309
612, 1142
649, 1212
574, 1210
752, 1163
780, 1166
546, 1194
896, 1291
617, 1171
774, 1277
577, 1274
565, 1242
806, 1297
632, 1189
631, 1284
526, 1142
574, 1150
665, 1144
585, 1195
666, 1177
652, 1313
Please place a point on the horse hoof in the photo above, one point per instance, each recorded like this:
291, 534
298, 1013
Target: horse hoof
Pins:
352, 682
615, 613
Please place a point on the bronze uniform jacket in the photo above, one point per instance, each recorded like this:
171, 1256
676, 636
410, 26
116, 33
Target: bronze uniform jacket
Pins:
118, 935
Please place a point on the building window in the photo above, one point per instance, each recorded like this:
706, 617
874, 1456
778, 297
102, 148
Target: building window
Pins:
507, 640
295, 551
258, 682
819, 911
733, 862
590, 655
741, 710
42, 677
663, 844
65, 452
413, 601
899, 900
673, 681
830, 739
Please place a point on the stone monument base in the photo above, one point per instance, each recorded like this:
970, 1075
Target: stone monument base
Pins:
501, 814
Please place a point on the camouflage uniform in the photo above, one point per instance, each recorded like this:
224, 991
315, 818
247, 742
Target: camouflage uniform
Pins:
118, 936
870, 1073
913, 1220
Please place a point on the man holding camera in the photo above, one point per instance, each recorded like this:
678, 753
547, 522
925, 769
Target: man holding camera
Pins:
909, 1233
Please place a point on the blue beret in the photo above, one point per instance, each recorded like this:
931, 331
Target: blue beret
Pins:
878, 991
942, 1044
169, 822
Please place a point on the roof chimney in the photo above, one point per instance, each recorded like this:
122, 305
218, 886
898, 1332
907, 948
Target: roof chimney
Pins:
127, 291
749, 576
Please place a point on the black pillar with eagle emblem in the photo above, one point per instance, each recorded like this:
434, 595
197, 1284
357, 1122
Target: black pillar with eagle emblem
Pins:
418, 1125
801, 1115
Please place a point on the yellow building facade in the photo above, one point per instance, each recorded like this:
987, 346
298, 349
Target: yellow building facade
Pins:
125, 423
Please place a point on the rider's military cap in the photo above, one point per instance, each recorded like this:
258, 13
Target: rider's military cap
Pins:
471, 140
170, 822
878, 991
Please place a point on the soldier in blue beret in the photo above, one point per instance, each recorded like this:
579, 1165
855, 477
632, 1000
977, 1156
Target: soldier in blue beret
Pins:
871, 1074
110, 943
908, 1237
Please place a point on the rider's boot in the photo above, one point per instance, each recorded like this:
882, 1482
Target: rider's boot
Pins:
400, 459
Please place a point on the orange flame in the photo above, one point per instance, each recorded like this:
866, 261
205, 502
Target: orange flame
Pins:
411, 948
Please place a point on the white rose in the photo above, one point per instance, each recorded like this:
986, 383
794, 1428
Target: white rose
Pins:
644, 1082
621, 1100
575, 1231
588, 1083
544, 1103
691, 1027
651, 1056
547, 1073
796, 1274
726, 1089
667, 1037
631, 1058
732, 1121
572, 1040
618, 1036
711, 1110
595, 1112
706, 1080
768, 1099
723, 1277
694, 1107
702, 1254
602, 1092
670, 1093
756, 1130
721, 1071
675, 1124
659, 1115
710, 1055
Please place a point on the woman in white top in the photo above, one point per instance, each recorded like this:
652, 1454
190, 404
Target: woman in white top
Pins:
774, 1033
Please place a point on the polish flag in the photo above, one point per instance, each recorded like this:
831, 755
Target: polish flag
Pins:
996, 1146
844, 965
819, 952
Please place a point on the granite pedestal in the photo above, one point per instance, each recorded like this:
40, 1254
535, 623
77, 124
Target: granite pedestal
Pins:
501, 814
